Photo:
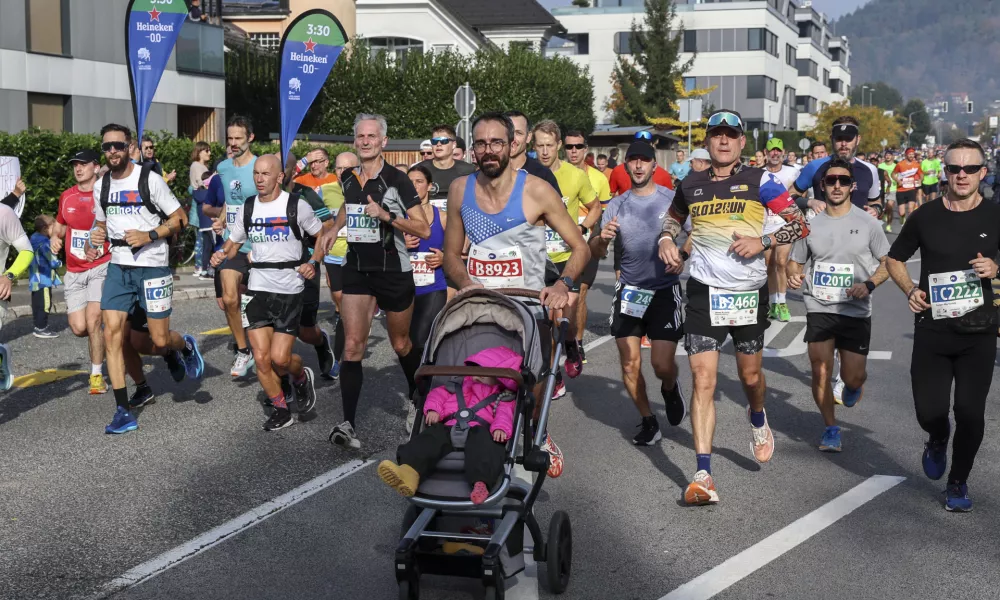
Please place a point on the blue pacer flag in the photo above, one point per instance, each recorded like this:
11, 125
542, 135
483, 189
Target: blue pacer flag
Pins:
151, 30
310, 47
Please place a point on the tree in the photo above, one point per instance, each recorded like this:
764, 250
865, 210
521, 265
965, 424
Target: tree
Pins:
670, 123
884, 96
921, 121
875, 126
645, 77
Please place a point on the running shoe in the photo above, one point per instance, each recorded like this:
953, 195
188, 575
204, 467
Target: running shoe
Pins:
279, 419
343, 435
849, 397
831, 440
574, 362
838, 391
324, 354
555, 457
6, 372
194, 364
560, 390
583, 352
305, 392
98, 385
141, 397
782, 313
123, 422
935, 458
335, 370
649, 432
675, 403
888, 228
645, 343
772, 312
242, 363
175, 364
762, 440
44, 333
957, 498
379, 313
701, 491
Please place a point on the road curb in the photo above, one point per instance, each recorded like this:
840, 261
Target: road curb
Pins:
195, 293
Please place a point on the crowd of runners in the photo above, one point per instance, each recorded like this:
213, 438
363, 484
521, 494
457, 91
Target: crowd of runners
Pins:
403, 242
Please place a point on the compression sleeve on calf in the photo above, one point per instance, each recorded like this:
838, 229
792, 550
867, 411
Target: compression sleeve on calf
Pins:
24, 258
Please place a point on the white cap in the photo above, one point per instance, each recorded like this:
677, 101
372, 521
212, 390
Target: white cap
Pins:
426, 145
701, 153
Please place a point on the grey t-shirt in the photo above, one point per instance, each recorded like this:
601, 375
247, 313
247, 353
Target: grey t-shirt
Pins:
840, 251
639, 220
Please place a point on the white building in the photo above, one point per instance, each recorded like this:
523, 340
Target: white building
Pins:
823, 65
747, 49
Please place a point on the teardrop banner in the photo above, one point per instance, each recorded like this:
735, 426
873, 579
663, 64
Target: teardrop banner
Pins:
310, 47
151, 30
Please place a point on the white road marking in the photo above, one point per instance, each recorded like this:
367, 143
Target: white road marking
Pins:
880, 355
591, 345
213, 537
757, 556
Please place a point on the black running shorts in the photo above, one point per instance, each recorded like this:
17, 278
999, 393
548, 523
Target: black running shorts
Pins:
590, 272
904, 197
393, 290
280, 311
239, 263
701, 336
929, 189
553, 271
335, 277
310, 302
662, 320
851, 334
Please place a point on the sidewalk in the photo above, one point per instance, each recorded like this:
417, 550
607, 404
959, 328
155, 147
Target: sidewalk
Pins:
186, 287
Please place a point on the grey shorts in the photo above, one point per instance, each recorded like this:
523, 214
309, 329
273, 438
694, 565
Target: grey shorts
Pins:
84, 287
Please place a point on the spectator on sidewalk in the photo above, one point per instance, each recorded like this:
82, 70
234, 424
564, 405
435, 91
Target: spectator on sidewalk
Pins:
43, 276
201, 158
14, 197
206, 237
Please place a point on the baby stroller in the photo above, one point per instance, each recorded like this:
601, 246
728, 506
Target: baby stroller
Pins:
441, 510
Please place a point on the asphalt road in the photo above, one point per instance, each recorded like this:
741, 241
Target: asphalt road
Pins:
80, 508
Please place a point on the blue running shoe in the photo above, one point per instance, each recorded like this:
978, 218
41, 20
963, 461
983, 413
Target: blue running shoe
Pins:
935, 458
851, 397
7, 375
175, 364
957, 498
123, 422
335, 371
831, 440
194, 364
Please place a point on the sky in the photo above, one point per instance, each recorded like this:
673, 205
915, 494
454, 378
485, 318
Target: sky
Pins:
833, 8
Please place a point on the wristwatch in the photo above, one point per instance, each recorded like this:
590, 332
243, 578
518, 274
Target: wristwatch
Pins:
870, 285
765, 240
392, 217
583, 230
153, 236
568, 281
9, 276
313, 262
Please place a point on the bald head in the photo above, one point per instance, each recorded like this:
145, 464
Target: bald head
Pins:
267, 176
344, 162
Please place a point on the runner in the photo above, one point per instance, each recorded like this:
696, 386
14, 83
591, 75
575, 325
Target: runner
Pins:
846, 248
443, 167
931, 168
620, 182
137, 342
727, 290
576, 154
889, 186
136, 213
378, 270
318, 160
955, 325
84, 279
274, 222
647, 297
519, 159
777, 258
333, 198
908, 175
505, 213
11, 234
681, 167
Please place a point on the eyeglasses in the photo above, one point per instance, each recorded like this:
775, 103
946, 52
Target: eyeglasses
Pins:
440, 141
574, 146
733, 134
969, 169
644, 135
725, 118
113, 146
319, 161
339, 169
495, 145
843, 180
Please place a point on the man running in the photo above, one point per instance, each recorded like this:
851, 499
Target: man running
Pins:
954, 335
519, 159
381, 205
506, 213
575, 145
11, 234
647, 297
777, 258
275, 231
907, 175
931, 168
137, 213
889, 187
680, 169
84, 279
620, 182
727, 291
846, 248
443, 167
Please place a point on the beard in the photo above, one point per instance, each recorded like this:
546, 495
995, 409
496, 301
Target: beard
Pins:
118, 163
502, 160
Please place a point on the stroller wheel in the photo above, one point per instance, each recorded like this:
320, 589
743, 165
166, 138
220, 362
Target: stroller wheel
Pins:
409, 589
495, 593
559, 557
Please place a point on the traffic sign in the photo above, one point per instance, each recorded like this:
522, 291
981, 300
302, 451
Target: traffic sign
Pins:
993, 122
465, 101
804, 144
462, 130
689, 110
756, 132
884, 142
909, 131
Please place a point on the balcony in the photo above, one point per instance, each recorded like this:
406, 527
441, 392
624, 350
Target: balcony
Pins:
255, 8
200, 49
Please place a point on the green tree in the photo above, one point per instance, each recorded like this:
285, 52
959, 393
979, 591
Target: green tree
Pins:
644, 79
921, 121
875, 125
884, 95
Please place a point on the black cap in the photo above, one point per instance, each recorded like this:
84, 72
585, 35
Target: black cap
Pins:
85, 156
642, 149
847, 131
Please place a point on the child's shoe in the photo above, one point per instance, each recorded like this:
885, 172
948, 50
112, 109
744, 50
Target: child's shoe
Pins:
479, 493
401, 478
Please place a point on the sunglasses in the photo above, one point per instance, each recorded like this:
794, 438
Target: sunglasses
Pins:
644, 135
438, 141
843, 180
969, 169
574, 146
730, 133
725, 118
113, 146
427, 153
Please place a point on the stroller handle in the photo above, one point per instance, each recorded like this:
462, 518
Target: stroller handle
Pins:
428, 371
520, 293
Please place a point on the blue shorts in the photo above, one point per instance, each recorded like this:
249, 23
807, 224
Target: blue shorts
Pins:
151, 287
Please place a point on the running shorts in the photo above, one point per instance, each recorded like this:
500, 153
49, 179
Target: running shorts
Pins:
906, 197
590, 272
930, 188
335, 277
701, 336
280, 311
662, 321
553, 271
310, 302
150, 287
239, 263
852, 334
84, 287
393, 290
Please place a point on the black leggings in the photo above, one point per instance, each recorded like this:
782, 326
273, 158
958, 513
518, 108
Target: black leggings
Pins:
207, 249
425, 309
483, 457
940, 358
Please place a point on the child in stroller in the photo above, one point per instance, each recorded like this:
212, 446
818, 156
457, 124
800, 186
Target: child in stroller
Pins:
476, 413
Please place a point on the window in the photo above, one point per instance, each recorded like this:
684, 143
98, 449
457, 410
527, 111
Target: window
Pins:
690, 41
623, 42
582, 42
49, 112
48, 27
808, 68
254, 7
805, 104
762, 86
690, 83
790, 53
837, 86
395, 47
201, 49
270, 41
835, 54
826, 77
762, 39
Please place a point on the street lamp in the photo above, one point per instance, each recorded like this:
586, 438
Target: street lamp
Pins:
871, 97
863, 88
909, 125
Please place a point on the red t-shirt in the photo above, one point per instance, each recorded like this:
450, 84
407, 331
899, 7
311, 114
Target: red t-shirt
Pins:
620, 181
76, 212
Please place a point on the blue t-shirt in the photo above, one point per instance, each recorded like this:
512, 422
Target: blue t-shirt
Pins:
680, 170
639, 219
237, 186
865, 175
201, 197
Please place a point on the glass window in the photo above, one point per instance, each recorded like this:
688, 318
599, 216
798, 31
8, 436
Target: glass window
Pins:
201, 49
690, 41
582, 41
762, 86
790, 53
826, 77
807, 68
762, 39
395, 47
47, 29
49, 112
623, 42
690, 83
270, 41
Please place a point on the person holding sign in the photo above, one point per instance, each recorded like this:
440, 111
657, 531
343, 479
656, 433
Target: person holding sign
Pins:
847, 249
727, 292
955, 325
647, 297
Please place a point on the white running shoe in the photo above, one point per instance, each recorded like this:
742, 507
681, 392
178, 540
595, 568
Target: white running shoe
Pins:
838, 391
242, 364
343, 435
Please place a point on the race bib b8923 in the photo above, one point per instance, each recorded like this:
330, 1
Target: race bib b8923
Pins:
496, 269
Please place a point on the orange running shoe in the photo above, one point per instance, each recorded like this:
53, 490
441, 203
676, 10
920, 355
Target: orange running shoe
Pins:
701, 491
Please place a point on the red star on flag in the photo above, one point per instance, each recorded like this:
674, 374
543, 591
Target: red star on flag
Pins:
154, 15
310, 46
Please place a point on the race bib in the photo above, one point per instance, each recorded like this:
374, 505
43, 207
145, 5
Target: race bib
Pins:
497, 268
423, 275
635, 301
231, 210
244, 300
831, 281
732, 309
441, 204
158, 291
954, 294
554, 243
343, 230
78, 239
360, 227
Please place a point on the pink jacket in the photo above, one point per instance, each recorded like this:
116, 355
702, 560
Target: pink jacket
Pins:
443, 402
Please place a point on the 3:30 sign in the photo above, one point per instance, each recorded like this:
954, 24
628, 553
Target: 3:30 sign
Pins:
319, 30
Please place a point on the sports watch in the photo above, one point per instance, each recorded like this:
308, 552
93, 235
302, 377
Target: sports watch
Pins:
568, 281
153, 236
765, 240
870, 285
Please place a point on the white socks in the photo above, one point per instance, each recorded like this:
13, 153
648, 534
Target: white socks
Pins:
777, 298
95, 369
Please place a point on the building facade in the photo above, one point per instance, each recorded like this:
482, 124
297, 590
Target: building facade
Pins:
62, 68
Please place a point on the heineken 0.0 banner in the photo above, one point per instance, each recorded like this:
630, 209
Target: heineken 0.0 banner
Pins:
310, 47
151, 30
